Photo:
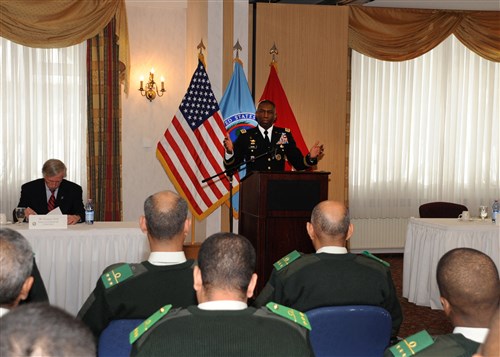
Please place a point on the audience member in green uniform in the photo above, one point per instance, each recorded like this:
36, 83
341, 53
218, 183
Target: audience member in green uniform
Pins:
491, 346
16, 263
469, 286
222, 324
38, 329
332, 276
133, 291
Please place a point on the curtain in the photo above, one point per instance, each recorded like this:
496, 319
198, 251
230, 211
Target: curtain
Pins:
37, 122
104, 125
424, 130
62, 23
401, 34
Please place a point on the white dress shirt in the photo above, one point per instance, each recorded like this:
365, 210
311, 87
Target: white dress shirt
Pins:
223, 305
166, 258
477, 334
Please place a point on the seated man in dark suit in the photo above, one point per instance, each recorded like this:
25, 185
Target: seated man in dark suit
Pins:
222, 324
143, 288
332, 276
43, 195
469, 286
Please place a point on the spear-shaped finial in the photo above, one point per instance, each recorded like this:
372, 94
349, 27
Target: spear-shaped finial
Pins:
237, 47
201, 57
201, 47
274, 52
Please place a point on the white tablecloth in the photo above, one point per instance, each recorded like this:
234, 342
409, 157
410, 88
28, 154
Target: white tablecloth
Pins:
428, 239
71, 260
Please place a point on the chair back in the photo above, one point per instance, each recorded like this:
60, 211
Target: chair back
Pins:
354, 330
441, 210
114, 339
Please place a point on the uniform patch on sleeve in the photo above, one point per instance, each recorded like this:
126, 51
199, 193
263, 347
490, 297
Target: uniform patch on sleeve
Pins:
412, 344
150, 321
288, 313
283, 262
116, 275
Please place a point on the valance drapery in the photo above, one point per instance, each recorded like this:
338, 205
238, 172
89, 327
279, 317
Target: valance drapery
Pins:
401, 34
62, 23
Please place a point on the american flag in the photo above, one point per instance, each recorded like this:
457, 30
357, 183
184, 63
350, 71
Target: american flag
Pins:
191, 149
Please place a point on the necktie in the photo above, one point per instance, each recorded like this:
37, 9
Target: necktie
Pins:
266, 136
52, 202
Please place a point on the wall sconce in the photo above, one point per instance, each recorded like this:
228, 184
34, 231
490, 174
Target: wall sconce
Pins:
151, 89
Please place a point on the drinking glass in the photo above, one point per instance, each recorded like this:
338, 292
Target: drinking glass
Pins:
483, 213
20, 215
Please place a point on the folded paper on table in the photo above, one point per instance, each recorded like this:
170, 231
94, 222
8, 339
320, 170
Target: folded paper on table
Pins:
48, 221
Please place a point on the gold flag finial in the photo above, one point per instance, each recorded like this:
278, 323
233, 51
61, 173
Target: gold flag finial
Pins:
201, 47
201, 57
274, 52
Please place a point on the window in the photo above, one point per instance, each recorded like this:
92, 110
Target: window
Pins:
424, 130
43, 98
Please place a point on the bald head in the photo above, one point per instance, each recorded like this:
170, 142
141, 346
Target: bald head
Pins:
165, 213
330, 223
468, 279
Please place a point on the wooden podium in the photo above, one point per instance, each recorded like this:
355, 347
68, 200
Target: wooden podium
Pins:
274, 210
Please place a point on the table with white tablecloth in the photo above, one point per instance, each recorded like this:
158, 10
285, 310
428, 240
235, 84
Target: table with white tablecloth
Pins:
428, 239
71, 260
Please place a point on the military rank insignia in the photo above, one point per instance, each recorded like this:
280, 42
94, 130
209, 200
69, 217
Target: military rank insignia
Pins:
115, 276
370, 255
288, 313
150, 321
411, 345
283, 262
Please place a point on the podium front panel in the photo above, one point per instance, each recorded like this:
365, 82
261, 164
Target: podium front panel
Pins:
274, 210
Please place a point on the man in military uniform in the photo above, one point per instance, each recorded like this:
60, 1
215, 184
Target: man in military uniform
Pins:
265, 147
39, 329
469, 286
16, 263
132, 291
332, 276
222, 324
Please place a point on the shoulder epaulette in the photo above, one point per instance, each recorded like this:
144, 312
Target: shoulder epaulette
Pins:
283, 262
370, 255
116, 275
287, 130
150, 321
412, 344
288, 313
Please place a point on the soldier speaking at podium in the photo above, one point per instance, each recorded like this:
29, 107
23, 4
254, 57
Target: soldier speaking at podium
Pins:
265, 147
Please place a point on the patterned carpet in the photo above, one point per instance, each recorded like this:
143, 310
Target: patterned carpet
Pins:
415, 318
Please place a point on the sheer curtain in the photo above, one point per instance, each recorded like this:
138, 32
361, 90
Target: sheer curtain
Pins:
43, 115
424, 130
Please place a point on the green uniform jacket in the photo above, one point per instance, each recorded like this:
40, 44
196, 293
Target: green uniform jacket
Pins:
451, 345
250, 332
250, 144
316, 280
140, 295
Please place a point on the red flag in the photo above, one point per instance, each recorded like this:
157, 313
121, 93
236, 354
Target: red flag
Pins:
191, 149
285, 117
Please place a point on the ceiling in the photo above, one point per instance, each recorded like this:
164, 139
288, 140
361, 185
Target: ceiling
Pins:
487, 5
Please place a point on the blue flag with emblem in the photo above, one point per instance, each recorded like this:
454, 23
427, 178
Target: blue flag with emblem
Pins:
238, 110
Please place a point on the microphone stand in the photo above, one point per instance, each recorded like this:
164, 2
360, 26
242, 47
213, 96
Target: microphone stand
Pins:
230, 173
